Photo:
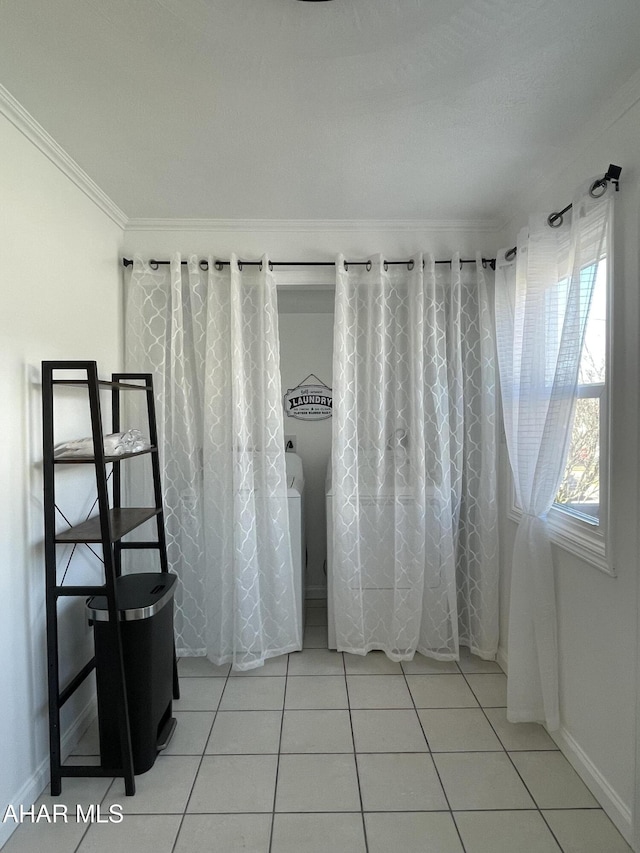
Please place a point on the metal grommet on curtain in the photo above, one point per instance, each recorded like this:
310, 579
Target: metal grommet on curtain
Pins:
218, 265
260, 266
240, 265
368, 266
386, 266
153, 264
598, 188
346, 266
555, 220
411, 264
510, 255
270, 266
203, 264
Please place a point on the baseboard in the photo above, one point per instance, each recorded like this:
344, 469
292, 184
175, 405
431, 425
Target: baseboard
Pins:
35, 785
315, 592
616, 809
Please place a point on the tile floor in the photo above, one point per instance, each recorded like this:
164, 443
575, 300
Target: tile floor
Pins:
320, 752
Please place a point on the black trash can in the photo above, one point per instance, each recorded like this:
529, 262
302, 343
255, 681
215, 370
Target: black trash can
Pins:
146, 628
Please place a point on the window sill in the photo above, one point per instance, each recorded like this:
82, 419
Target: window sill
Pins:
578, 537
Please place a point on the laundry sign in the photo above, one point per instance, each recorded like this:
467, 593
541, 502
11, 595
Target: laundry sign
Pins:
311, 400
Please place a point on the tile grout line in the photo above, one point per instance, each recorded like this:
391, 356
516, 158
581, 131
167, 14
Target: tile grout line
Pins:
104, 796
204, 749
435, 767
443, 810
506, 751
355, 755
378, 751
76, 849
275, 787
367, 708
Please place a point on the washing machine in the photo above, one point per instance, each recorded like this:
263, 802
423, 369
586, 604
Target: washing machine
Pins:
379, 507
295, 501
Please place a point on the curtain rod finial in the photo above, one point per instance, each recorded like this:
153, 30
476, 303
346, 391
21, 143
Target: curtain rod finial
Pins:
613, 175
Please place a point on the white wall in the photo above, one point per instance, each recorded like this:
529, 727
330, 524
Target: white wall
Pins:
597, 614
60, 300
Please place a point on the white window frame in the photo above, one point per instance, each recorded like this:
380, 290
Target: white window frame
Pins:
572, 531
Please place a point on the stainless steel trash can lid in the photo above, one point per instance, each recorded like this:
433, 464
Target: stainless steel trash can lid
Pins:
139, 596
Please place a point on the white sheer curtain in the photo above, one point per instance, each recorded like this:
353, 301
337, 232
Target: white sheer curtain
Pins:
211, 340
542, 303
415, 557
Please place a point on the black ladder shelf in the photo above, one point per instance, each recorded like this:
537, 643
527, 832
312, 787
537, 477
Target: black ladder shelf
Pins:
107, 528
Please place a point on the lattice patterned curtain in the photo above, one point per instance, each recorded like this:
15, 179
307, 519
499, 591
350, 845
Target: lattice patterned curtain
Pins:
415, 551
211, 340
543, 298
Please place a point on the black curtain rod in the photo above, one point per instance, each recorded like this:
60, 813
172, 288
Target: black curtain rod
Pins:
554, 220
204, 264
597, 188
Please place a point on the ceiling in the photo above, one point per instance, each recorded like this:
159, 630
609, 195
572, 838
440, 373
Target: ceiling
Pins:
351, 109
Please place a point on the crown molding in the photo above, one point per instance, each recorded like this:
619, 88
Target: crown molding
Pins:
312, 225
36, 134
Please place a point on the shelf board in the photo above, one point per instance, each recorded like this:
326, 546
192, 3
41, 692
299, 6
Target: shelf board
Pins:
123, 521
102, 383
78, 460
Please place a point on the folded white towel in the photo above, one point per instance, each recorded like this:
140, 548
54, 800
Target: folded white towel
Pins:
115, 444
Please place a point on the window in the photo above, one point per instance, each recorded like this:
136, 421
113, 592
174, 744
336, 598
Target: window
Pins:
578, 519
581, 490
